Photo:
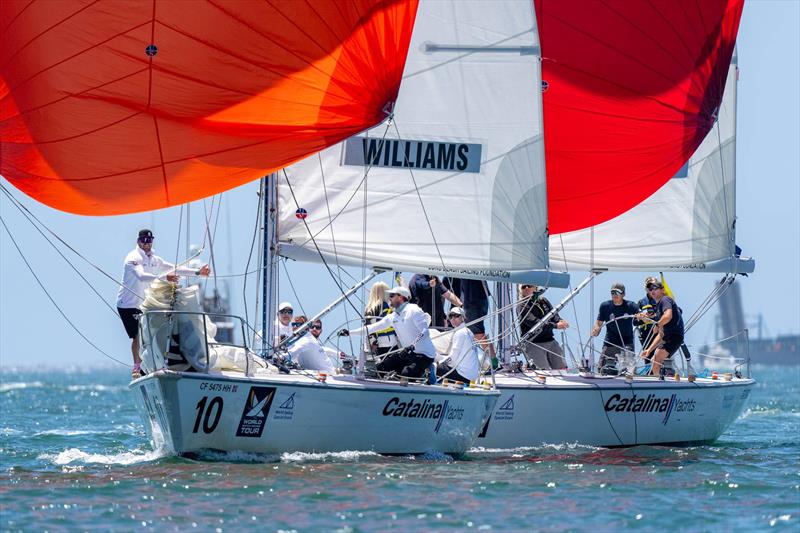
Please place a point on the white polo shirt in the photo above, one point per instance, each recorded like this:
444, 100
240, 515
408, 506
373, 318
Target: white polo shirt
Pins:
310, 354
463, 353
410, 325
140, 270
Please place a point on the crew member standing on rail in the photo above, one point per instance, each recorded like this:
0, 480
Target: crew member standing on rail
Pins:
411, 327
142, 266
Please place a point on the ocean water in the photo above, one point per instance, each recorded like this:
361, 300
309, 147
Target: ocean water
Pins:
74, 456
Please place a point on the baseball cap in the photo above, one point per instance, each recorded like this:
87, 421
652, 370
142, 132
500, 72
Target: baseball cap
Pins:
618, 287
402, 291
456, 311
145, 233
650, 280
285, 305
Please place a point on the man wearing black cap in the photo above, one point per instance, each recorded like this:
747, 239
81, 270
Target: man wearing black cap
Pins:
619, 331
142, 266
668, 329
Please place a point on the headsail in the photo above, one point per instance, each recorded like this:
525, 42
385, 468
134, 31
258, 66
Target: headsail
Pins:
455, 182
688, 224
116, 107
633, 89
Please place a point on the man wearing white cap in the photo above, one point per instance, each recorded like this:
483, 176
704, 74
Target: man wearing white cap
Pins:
462, 363
410, 324
283, 322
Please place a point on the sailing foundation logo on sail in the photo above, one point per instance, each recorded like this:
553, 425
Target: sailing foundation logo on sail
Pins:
424, 409
256, 409
650, 404
423, 155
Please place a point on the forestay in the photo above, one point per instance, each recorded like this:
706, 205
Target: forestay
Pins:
454, 180
688, 224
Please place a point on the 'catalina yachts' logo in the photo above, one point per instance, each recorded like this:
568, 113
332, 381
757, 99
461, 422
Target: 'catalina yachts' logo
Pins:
424, 409
650, 404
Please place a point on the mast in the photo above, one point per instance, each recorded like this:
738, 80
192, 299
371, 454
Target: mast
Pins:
268, 264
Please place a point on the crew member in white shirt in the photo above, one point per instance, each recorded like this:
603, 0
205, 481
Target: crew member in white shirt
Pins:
142, 266
310, 354
283, 322
410, 324
462, 363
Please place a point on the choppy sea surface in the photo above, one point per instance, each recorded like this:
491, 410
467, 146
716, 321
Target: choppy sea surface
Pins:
74, 456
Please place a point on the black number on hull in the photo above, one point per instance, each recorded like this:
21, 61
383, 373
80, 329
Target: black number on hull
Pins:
214, 405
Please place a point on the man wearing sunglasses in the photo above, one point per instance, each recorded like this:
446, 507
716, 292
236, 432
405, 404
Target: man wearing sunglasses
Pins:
309, 353
647, 309
542, 350
463, 362
668, 329
142, 266
410, 324
619, 331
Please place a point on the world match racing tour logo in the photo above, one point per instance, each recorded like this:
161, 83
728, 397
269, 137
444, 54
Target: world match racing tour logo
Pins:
650, 404
422, 155
424, 409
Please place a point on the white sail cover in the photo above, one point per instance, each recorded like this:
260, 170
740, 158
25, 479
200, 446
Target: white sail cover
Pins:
687, 225
455, 182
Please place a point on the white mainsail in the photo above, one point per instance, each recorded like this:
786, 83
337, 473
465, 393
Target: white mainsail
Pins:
455, 181
687, 225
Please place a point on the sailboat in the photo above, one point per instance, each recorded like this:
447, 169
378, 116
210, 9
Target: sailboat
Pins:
686, 225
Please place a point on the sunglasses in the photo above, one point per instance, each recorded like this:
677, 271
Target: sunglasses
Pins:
527, 286
652, 288
316, 326
297, 324
146, 240
286, 311
454, 316
616, 292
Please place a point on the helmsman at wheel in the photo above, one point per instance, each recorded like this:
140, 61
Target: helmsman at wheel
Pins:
410, 324
142, 266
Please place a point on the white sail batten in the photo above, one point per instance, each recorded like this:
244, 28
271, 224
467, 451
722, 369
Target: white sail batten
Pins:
687, 225
455, 181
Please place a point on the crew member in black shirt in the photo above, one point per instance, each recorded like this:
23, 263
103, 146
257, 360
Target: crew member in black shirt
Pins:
541, 350
429, 294
619, 331
668, 328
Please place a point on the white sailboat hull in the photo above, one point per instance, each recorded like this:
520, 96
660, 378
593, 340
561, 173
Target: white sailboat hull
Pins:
610, 411
190, 412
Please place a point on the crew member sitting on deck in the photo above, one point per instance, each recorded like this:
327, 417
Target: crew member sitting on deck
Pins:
309, 353
619, 331
142, 266
462, 363
410, 324
541, 350
668, 328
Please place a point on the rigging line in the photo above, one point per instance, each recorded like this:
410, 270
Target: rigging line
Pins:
178, 244
419, 195
73, 267
313, 240
22, 206
355, 191
289, 278
566, 269
247, 265
210, 237
41, 285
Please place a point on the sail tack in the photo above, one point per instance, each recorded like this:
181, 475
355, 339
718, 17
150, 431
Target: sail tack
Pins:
687, 225
633, 88
455, 182
115, 107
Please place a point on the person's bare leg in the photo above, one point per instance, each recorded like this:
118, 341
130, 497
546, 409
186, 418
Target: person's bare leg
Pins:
135, 350
659, 356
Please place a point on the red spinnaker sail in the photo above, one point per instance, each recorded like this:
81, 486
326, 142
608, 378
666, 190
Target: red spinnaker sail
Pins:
116, 106
632, 88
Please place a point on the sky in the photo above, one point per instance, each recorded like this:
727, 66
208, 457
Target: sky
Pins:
33, 333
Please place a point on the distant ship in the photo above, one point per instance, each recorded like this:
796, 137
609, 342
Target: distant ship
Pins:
731, 322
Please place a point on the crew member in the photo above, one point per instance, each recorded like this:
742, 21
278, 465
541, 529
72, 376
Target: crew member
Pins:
142, 266
309, 353
378, 307
647, 307
474, 294
619, 331
462, 363
283, 322
429, 294
668, 328
410, 324
541, 350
